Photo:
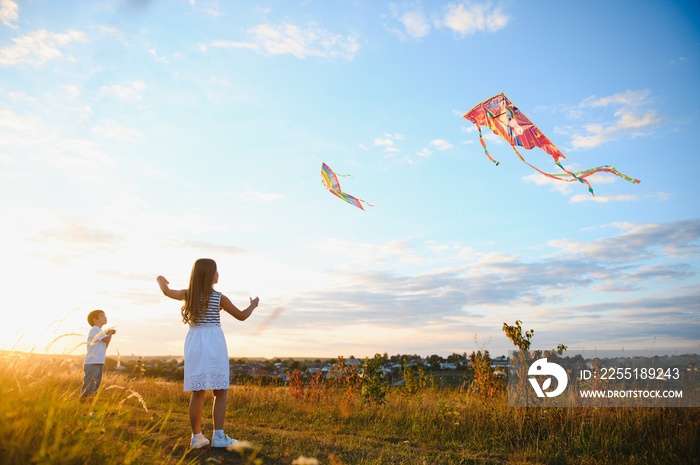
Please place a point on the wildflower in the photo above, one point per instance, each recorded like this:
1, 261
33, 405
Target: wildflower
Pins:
301, 460
132, 394
241, 446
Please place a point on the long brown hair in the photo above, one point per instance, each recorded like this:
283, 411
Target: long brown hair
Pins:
199, 290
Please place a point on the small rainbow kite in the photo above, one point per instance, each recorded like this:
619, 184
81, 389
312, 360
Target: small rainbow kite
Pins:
330, 181
500, 115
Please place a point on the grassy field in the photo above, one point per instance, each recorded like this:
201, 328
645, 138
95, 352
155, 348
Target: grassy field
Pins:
144, 421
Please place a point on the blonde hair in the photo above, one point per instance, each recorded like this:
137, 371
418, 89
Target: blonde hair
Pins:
199, 290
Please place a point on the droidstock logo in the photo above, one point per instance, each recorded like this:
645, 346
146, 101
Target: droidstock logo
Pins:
550, 369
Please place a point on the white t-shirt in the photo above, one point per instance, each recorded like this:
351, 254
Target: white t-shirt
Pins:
96, 349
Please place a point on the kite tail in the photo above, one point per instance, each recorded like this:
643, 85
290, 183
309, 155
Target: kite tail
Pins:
555, 176
576, 176
483, 144
607, 169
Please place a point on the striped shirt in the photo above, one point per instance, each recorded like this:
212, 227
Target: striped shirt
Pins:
211, 315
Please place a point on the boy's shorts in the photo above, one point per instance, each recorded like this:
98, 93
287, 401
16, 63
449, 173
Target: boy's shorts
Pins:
92, 379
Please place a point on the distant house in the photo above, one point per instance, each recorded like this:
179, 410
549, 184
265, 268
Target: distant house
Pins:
331, 371
500, 362
417, 361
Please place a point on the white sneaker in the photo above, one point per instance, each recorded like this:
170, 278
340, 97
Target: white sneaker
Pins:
223, 441
198, 442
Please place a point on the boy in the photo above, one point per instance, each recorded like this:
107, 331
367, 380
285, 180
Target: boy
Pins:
97, 342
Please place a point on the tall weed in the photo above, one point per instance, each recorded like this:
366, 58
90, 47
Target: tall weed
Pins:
41, 421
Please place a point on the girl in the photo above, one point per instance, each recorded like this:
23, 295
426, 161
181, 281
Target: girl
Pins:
206, 355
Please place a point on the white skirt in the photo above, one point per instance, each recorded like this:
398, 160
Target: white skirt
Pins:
206, 359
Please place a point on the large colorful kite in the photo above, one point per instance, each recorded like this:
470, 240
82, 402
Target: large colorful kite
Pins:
500, 115
330, 180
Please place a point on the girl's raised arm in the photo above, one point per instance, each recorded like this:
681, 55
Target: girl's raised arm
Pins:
172, 293
232, 310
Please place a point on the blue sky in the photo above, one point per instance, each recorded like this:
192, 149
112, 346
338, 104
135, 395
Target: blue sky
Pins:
138, 136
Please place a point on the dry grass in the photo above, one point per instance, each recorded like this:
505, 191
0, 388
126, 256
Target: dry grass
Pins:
145, 421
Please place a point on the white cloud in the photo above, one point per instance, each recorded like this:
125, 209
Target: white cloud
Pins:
356, 254
415, 24
462, 18
77, 234
228, 44
648, 241
210, 8
387, 141
290, 39
437, 144
38, 47
678, 60
18, 133
633, 119
115, 33
604, 198
383, 142
440, 144
156, 57
28, 137
468, 18
489, 283
454, 250
71, 91
561, 187
131, 91
9, 13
